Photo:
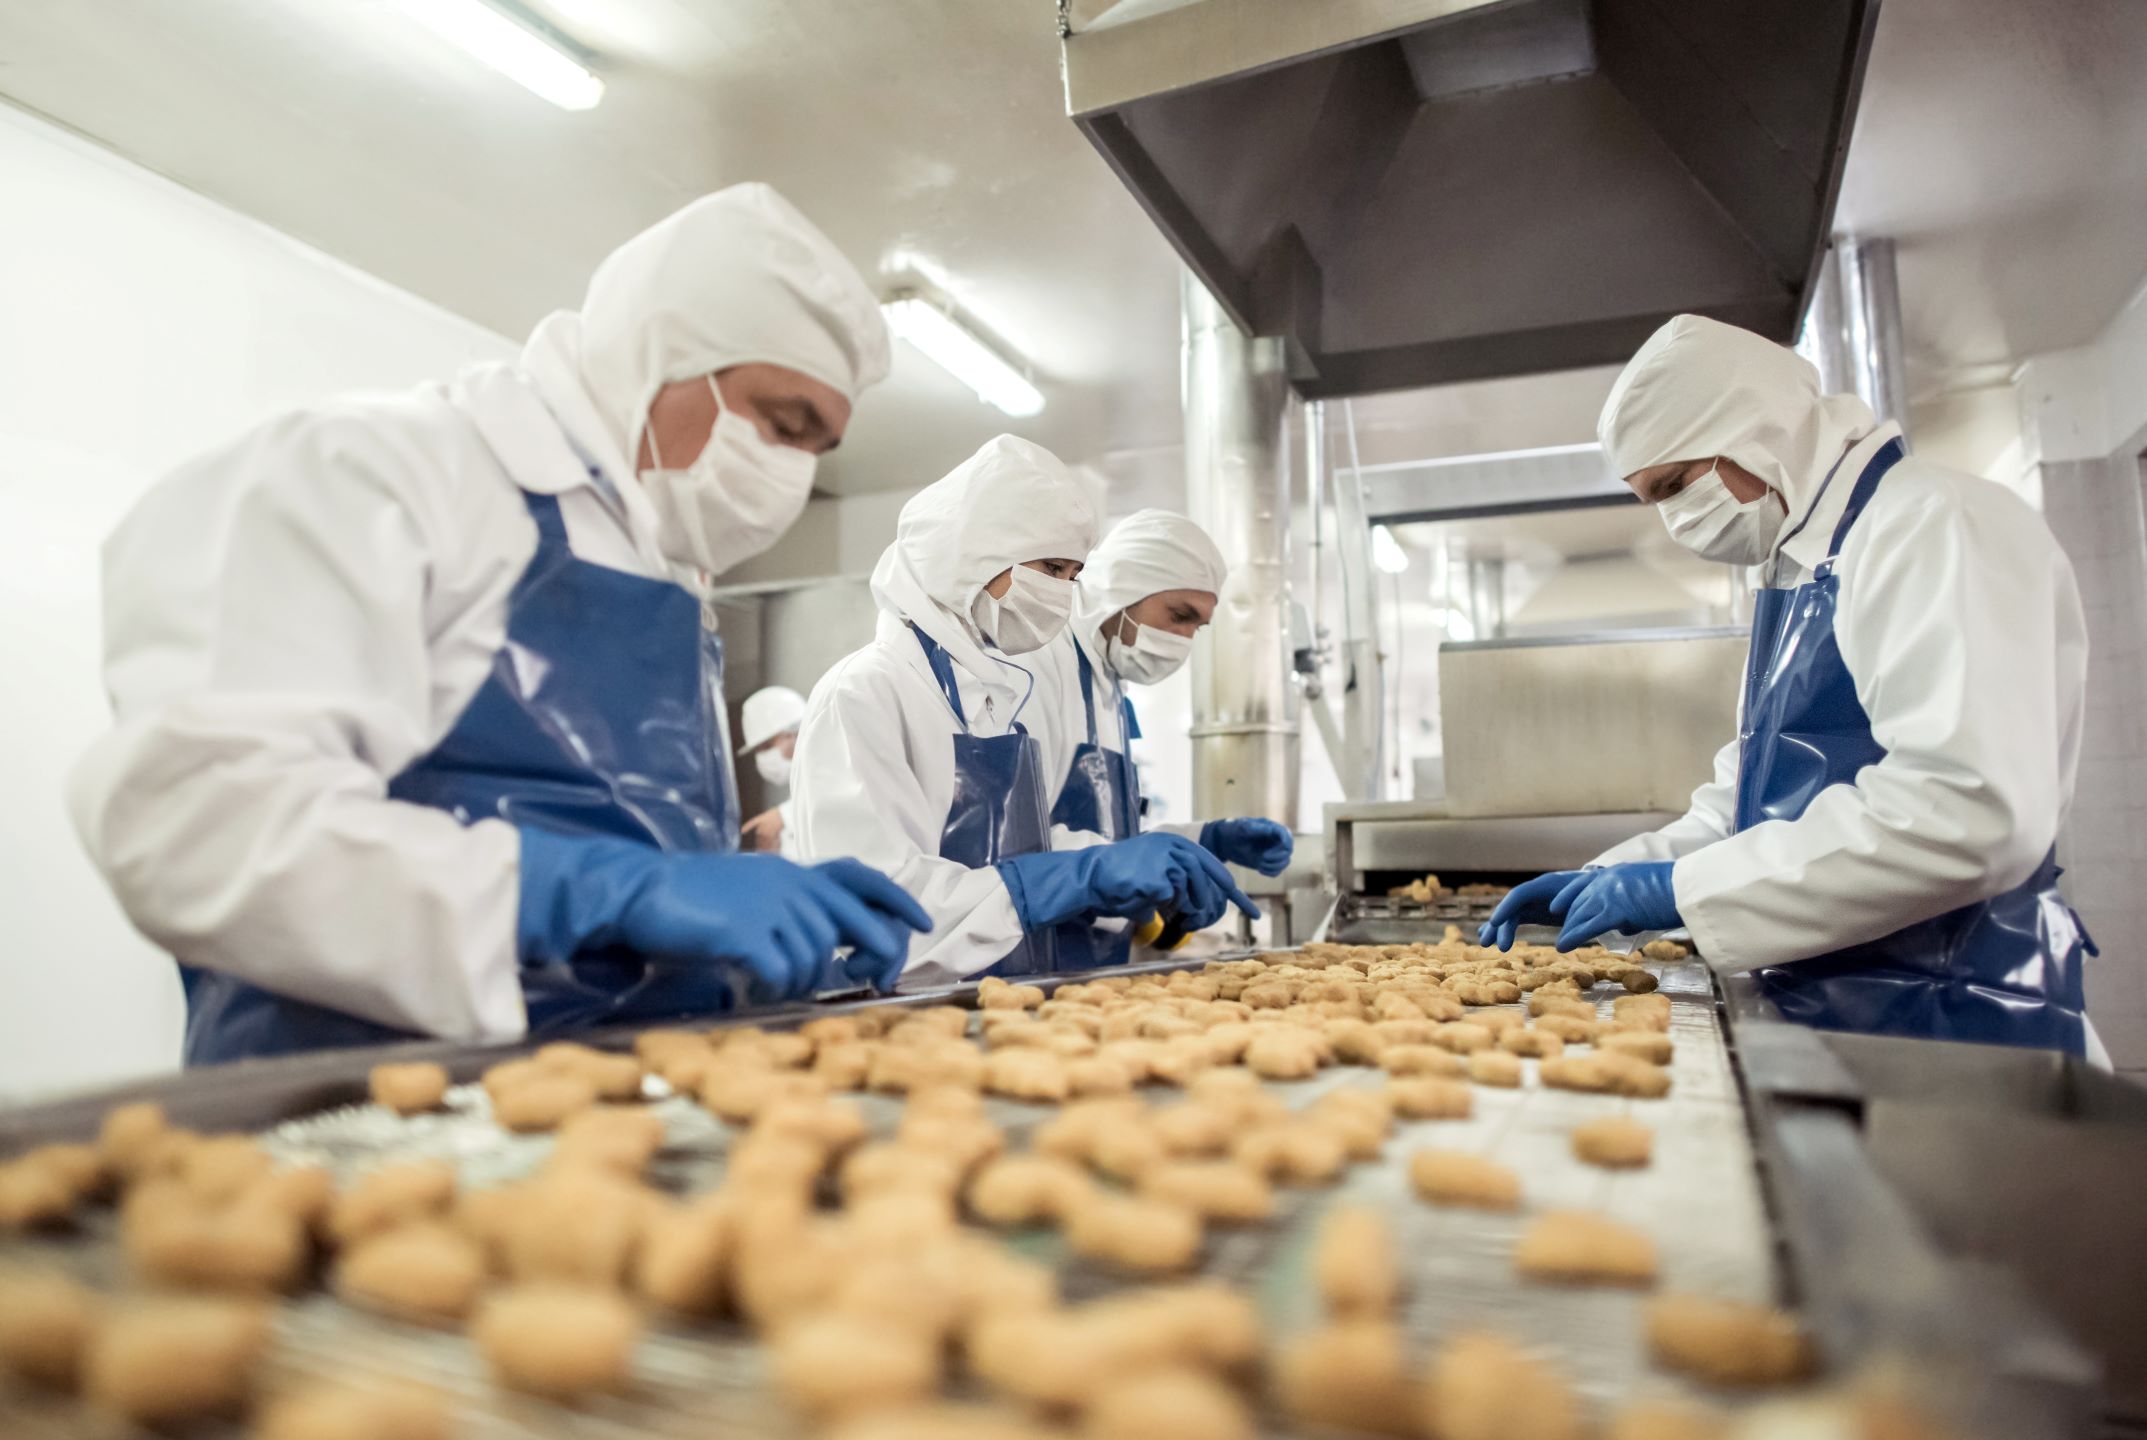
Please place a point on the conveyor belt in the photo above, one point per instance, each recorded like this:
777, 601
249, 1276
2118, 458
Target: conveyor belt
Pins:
1701, 1201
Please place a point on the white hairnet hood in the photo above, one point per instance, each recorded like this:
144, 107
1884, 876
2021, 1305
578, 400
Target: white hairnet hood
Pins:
1699, 388
1146, 553
1011, 502
767, 713
738, 277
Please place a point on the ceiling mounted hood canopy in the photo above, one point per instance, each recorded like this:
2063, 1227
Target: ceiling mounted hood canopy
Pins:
1413, 192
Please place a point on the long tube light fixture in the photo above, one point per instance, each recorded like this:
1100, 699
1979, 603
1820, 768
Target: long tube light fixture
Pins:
961, 352
513, 45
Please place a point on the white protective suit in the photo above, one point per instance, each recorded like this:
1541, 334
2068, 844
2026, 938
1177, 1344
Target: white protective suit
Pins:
1146, 553
1958, 621
874, 774
293, 619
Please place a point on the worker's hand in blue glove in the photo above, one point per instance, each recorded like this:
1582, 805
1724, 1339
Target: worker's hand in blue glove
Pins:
1540, 901
1132, 879
1628, 898
777, 919
1261, 844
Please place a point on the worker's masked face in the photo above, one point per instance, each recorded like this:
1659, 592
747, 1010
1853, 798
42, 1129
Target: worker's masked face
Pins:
773, 765
1029, 616
734, 501
1713, 524
1151, 654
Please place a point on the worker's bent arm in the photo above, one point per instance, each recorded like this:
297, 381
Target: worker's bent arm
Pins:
1707, 819
267, 652
1959, 623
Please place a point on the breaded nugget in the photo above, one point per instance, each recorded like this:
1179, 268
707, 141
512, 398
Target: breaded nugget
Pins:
1574, 1072
342, 1410
684, 1259
1283, 1054
425, 1271
576, 1226
1223, 1192
1571, 1029
1422, 1060
1352, 1375
1629, 1075
1429, 1097
1485, 1387
1143, 1235
1462, 1037
558, 1341
1028, 1190
1453, 1177
1665, 1420
1026, 1074
384, 1198
1650, 1045
129, 1134
408, 1089
1294, 1152
1614, 1142
1495, 1067
1169, 1404
541, 1102
620, 1138
832, 1365
1578, 1248
1535, 1043
163, 1362
1727, 1342
171, 1237
46, 1321
1354, 1263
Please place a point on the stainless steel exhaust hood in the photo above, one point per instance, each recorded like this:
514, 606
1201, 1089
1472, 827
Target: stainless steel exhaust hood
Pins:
1410, 192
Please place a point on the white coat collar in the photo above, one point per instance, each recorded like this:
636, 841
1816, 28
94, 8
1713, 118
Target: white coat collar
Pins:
1811, 535
1008, 686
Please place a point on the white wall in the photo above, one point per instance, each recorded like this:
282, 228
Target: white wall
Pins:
139, 323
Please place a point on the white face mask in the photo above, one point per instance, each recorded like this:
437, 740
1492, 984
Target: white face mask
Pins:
735, 500
1150, 656
1029, 616
1714, 525
773, 765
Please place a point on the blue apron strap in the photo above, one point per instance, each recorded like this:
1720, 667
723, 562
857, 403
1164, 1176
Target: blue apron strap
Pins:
1132, 721
551, 525
1867, 484
1088, 690
943, 672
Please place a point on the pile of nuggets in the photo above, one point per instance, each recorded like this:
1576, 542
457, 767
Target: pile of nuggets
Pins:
867, 1264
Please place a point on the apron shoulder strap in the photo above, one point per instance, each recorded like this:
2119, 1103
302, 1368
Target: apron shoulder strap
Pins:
1088, 690
551, 525
1867, 484
943, 672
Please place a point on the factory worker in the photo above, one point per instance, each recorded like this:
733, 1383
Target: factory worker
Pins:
1877, 843
1145, 592
770, 719
419, 729
916, 757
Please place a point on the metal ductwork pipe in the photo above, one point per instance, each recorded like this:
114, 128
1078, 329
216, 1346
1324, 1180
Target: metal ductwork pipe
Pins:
1245, 732
1853, 330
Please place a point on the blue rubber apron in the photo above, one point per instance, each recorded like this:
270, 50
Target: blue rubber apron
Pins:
1101, 793
601, 716
2005, 971
998, 806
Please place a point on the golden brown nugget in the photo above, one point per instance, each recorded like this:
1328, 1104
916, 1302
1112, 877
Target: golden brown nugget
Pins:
899, 1069
1453, 1177
1098, 1075
1295, 1152
1125, 1151
1629, 1075
1571, 1029
778, 1162
1428, 1097
884, 1166
1650, 1045
1496, 1067
1280, 1055
576, 1226
408, 1089
128, 1134
620, 1138
1355, 1042
1026, 1074
1352, 1375
306, 1193
171, 1238
655, 1046
1574, 1247
1574, 1072
1547, 1002
967, 1140
776, 1051
390, 1196
1664, 950
832, 1030
1169, 1404
1642, 1012
994, 993
1639, 981
541, 1102
1665, 1420
1614, 1142
1422, 1060
80, 1168
1535, 1043
833, 1365
162, 1362
1046, 1357
1028, 1190
615, 1078
1354, 1264
774, 1284
336, 1410
737, 1092
1196, 1128
684, 1259
832, 1126
33, 1196
1485, 1387
46, 1321
506, 1075
943, 1420
845, 1064
426, 1272
1499, 1022
1462, 1038
1726, 1342
217, 1167
1141, 1235
1222, 1192
558, 1341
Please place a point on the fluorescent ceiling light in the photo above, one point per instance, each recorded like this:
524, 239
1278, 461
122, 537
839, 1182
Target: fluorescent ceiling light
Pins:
962, 353
512, 46
1387, 552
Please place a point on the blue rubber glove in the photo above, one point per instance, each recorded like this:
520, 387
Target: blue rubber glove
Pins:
1532, 902
1261, 844
1131, 879
781, 921
1630, 898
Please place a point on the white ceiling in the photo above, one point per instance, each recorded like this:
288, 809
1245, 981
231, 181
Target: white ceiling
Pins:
2005, 145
